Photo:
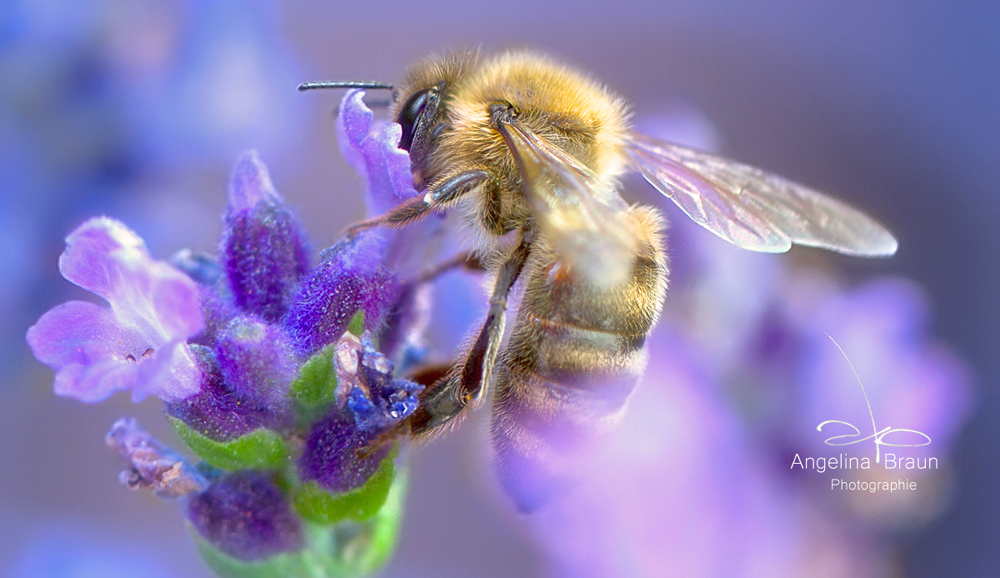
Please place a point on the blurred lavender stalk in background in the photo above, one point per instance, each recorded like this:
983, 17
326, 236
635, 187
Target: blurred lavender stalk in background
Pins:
698, 479
121, 107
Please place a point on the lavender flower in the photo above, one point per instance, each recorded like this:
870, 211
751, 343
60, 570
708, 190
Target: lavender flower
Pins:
247, 516
257, 361
219, 411
373, 403
350, 278
263, 248
358, 268
372, 149
294, 417
137, 344
151, 464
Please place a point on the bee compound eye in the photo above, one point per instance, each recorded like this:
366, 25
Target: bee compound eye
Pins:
409, 115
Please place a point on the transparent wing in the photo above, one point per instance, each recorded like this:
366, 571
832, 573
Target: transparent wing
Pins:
580, 217
754, 209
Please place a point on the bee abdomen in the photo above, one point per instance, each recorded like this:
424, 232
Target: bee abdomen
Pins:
559, 389
573, 357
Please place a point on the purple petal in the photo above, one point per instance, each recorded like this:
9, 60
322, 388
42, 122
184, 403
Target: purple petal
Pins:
372, 149
99, 254
147, 296
353, 124
375, 153
250, 183
75, 332
263, 248
171, 373
88, 350
175, 300
247, 516
139, 342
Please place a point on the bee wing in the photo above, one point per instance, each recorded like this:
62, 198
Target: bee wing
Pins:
582, 218
754, 209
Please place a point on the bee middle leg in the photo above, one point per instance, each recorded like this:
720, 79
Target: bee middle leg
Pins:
470, 261
467, 381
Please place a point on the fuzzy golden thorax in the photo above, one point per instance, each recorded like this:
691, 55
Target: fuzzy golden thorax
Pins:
560, 105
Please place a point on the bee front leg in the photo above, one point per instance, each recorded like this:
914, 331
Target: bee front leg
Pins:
440, 195
468, 381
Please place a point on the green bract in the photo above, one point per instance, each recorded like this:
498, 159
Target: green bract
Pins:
280, 566
318, 505
316, 386
259, 449
357, 324
343, 550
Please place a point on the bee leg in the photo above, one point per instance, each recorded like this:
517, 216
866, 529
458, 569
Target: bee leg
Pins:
467, 382
469, 261
382, 440
440, 196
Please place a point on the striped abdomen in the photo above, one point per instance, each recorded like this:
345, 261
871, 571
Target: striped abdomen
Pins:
574, 354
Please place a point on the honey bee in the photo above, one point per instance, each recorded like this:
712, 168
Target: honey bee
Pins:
531, 153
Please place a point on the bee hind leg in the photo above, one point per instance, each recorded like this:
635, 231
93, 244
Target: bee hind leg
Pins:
467, 382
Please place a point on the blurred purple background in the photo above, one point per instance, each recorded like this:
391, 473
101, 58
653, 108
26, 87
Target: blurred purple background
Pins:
138, 109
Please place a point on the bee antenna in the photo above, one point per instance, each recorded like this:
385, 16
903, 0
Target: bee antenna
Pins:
371, 85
